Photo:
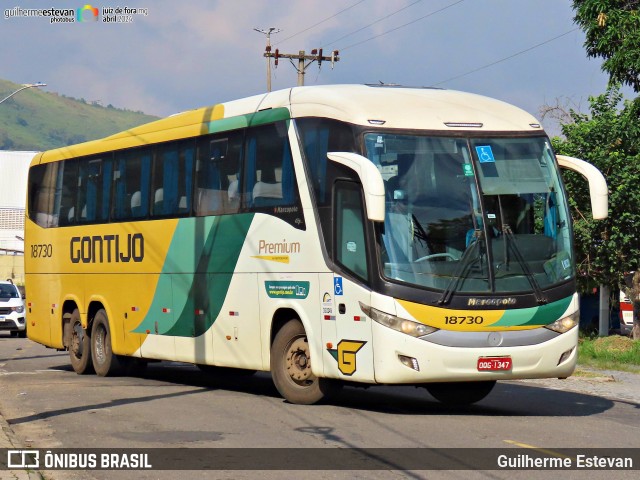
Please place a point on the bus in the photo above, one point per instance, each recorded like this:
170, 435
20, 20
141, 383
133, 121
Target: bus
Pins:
326, 234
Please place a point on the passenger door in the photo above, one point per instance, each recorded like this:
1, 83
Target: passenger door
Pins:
353, 349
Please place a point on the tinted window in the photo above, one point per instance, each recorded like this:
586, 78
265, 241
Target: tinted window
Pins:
94, 191
351, 246
270, 179
218, 174
172, 179
132, 171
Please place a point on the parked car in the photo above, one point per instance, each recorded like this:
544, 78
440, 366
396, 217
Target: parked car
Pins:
12, 311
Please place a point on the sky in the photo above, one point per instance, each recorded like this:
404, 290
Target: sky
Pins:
174, 56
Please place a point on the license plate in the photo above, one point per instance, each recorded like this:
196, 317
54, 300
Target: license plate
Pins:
493, 364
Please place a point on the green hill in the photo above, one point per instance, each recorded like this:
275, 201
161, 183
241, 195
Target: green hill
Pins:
38, 120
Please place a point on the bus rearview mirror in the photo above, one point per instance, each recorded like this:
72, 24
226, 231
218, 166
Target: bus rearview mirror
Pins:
370, 178
597, 184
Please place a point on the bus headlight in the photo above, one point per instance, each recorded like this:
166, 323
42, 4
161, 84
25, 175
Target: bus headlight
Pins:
409, 327
565, 324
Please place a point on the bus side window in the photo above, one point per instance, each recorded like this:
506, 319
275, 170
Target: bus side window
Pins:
42, 194
94, 190
67, 192
172, 178
131, 173
351, 246
218, 173
270, 179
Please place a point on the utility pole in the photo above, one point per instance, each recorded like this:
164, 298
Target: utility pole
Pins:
316, 56
268, 49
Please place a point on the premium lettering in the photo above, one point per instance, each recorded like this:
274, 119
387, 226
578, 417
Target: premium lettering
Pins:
278, 247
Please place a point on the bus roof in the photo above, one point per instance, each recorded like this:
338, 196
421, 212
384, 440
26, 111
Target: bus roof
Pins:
387, 106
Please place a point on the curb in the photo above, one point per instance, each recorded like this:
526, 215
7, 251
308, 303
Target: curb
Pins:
8, 440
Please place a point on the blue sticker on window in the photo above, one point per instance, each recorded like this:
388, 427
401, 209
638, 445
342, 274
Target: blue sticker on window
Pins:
485, 154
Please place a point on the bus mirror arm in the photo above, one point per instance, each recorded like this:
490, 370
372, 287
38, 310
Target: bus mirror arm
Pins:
371, 179
597, 184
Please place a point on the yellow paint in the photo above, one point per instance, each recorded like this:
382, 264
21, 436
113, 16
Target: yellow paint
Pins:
537, 449
176, 127
465, 321
347, 350
273, 258
56, 279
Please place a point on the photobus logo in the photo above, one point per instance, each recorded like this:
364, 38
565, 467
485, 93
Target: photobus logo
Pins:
87, 14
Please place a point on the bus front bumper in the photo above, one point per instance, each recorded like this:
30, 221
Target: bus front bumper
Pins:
402, 359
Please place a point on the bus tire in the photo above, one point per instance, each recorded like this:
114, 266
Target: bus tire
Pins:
291, 366
460, 393
79, 344
105, 362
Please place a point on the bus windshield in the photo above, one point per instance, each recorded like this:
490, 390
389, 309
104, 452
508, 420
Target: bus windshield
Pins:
472, 215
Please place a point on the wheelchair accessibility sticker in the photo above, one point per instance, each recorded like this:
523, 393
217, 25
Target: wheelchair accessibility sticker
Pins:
485, 154
337, 286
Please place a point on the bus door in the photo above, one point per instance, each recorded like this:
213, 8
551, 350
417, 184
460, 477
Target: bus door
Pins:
353, 349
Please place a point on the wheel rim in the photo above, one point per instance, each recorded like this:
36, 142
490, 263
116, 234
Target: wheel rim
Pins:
298, 362
77, 337
100, 344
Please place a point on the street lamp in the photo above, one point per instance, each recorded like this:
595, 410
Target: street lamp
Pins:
24, 87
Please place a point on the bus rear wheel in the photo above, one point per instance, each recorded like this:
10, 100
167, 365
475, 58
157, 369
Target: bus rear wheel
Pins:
105, 362
291, 367
79, 343
460, 393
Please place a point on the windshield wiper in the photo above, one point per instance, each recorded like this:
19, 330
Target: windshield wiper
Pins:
510, 243
464, 267
421, 234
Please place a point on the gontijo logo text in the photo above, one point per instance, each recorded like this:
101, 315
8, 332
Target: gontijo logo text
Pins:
107, 248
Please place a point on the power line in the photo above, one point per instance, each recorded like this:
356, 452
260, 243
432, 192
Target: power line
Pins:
402, 26
505, 58
321, 22
371, 24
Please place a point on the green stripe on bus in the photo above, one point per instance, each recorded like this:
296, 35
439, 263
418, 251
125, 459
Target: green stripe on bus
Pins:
209, 247
535, 315
263, 117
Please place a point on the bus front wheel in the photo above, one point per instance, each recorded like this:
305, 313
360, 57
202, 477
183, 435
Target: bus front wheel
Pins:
79, 343
460, 393
105, 362
291, 366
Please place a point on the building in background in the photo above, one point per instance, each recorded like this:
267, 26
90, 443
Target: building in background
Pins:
14, 168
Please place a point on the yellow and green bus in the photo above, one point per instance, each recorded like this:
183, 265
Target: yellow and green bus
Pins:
327, 234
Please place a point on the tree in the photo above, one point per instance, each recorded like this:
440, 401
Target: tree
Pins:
609, 138
612, 28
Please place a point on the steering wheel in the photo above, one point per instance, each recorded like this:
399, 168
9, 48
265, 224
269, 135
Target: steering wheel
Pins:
436, 255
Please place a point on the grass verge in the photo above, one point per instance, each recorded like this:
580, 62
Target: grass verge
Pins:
609, 353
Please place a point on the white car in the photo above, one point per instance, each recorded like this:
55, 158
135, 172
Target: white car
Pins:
12, 314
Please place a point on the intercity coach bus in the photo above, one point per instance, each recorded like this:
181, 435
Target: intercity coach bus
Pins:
327, 234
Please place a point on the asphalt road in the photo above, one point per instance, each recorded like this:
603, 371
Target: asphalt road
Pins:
175, 405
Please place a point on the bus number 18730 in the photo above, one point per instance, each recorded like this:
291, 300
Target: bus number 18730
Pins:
463, 320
